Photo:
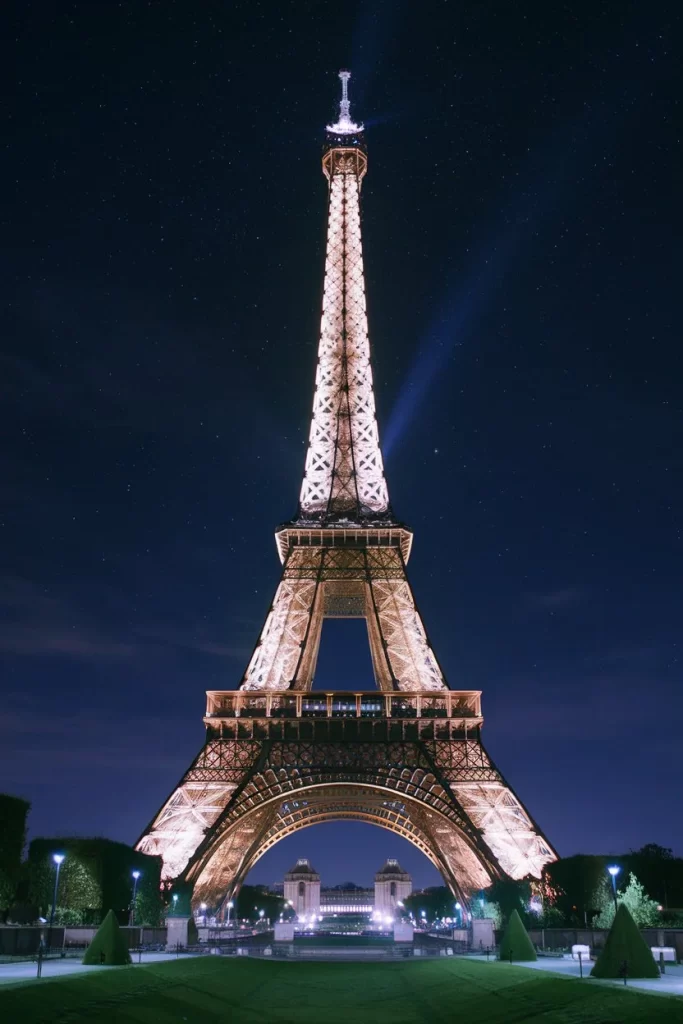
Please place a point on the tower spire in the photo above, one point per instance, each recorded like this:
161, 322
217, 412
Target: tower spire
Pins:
345, 126
344, 474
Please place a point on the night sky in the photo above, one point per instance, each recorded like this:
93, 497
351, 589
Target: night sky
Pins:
163, 216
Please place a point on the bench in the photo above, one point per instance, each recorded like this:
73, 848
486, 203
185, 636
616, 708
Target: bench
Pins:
667, 953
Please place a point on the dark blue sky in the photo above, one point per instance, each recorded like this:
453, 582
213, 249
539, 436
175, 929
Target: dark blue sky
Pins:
163, 217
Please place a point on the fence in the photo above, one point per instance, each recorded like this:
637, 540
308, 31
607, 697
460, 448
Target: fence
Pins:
565, 938
25, 940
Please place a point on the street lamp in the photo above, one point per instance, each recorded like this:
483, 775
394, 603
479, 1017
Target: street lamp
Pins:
614, 871
261, 915
136, 876
57, 858
459, 910
230, 906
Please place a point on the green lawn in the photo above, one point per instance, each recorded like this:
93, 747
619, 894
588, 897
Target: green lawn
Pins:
245, 991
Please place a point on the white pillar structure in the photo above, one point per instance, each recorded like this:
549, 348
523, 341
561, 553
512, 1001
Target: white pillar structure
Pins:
392, 885
302, 889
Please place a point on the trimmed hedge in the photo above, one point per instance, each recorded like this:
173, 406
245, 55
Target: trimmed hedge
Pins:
13, 814
625, 948
109, 945
516, 944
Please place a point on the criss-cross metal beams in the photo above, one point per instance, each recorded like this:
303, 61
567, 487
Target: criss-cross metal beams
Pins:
414, 763
199, 799
444, 794
344, 473
299, 784
245, 843
369, 582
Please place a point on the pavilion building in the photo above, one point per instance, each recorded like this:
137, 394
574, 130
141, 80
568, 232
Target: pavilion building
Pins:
302, 889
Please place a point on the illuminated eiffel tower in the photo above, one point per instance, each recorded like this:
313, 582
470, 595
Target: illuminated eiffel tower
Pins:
407, 756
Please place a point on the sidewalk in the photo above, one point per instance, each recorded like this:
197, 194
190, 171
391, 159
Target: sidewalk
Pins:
26, 970
670, 983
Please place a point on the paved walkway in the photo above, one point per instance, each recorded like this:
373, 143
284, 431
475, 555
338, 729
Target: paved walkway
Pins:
26, 970
670, 983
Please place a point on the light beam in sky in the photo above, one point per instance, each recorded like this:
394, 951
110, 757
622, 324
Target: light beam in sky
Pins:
552, 177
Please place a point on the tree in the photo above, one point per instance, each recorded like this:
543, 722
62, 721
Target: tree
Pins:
516, 944
642, 909
511, 895
575, 881
148, 902
656, 852
13, 814
436, 901
95, 874
625, 949
483, 908
253, 898
660, 872
551, 917
79, 896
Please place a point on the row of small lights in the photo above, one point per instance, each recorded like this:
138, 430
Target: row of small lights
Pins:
58, 859
613, 870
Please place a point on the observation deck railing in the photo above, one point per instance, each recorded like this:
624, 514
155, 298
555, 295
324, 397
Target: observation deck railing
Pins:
301, 704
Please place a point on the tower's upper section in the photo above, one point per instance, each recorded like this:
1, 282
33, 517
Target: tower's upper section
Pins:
345, 126
344, 474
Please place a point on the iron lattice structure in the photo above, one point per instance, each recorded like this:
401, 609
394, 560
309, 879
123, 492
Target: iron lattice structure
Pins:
407, 757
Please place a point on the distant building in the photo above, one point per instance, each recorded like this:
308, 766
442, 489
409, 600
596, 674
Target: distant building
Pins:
392, 886
346, 898
302, 890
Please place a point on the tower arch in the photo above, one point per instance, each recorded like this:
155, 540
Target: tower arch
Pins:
464, 862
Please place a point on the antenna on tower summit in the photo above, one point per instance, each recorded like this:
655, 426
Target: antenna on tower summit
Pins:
345, 126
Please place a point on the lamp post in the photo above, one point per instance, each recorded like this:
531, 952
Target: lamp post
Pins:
131, 918
230, 906
614, 871
261, 915
57, 858
459, 912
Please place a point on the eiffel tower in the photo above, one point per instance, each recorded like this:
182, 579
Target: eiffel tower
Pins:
407, 756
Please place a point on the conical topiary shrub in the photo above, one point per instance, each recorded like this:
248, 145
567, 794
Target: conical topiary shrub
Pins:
625, 949
516, 944
109, 945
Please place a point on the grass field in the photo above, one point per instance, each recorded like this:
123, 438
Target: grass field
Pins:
202, 991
